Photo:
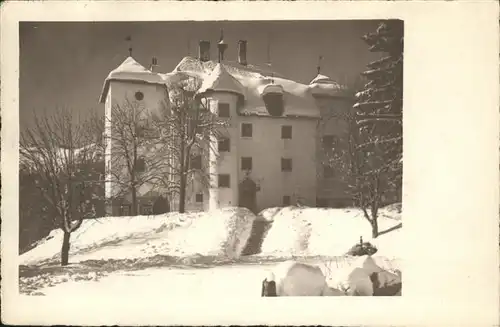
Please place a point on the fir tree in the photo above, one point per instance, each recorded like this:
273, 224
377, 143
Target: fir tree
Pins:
378, 141
372, 162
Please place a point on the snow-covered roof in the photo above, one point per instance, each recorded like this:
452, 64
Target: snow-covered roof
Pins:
324, 85
251, 82
130, 70
190, 64
220, 80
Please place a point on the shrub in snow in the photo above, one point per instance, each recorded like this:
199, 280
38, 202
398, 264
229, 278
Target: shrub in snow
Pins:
362, 248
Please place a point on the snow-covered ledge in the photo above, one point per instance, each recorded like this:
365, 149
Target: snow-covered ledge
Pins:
270, 88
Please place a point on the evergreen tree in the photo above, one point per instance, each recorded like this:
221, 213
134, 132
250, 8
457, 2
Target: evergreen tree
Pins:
379, 139
379, 105
372, 161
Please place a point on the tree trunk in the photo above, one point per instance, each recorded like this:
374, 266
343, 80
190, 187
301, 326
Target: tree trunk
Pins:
182, 194
374, 223
134, 201
65, 249
182, 182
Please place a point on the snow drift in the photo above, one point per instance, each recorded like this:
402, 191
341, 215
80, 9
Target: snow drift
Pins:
220, 233
353, 273
326, 232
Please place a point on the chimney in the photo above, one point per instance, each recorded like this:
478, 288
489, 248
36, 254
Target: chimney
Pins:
222, 46
204, 50
154, 64
242, 52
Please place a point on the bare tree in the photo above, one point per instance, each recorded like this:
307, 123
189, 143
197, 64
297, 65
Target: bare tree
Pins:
187, 130
57, 150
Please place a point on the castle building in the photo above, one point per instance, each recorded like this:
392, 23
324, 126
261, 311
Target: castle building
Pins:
279, 131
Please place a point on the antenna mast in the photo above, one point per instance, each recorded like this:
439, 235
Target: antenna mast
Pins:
319, 64
129, 40
269, 57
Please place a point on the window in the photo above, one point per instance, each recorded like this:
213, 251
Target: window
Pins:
328, 171
286, 164
199, 197
224, 180
329, 141
223, 110
139, 131
286, 200
140, 165
196, 162
125, 210
147, 209
246, 130
139, 95
286, 132
274, 103
246, 163
224, 145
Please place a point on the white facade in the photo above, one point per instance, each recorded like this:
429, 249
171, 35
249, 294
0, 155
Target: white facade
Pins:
283, 149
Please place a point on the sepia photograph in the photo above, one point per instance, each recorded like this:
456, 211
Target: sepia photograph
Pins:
180, 162
256, 159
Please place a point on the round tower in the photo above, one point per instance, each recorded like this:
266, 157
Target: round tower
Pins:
223, 94
129, 91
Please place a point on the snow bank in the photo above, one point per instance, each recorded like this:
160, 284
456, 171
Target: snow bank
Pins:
289, 233
98, 232
392, 211
344, 274
268, 214
324, 232
223, 232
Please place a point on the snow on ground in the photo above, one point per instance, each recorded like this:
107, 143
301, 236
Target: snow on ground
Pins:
222, 232
327, 232
237, 279
200, 253
157, 282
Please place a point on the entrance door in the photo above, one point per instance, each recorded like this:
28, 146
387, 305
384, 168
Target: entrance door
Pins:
248, 194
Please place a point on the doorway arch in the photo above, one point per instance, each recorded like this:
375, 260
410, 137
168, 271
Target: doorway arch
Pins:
247, 195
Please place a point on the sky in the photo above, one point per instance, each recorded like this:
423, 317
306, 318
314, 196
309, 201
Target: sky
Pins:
64, 64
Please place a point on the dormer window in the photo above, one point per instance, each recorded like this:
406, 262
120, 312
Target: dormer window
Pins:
274, 103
